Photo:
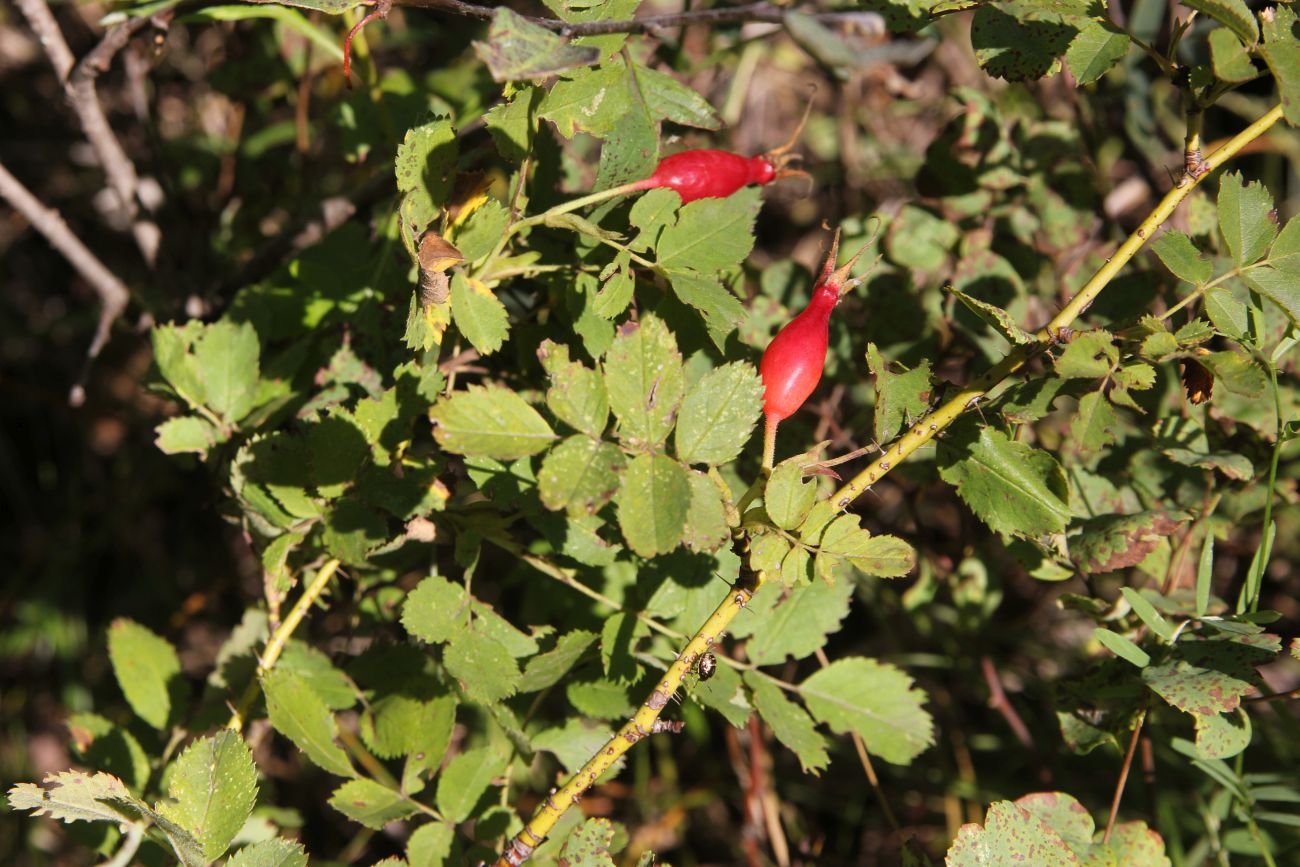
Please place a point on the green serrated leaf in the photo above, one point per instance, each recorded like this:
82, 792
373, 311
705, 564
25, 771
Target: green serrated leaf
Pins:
718, 415
629, 153
711, 235
800, 625
466, 778
1182, 257
548, 668
490, 421
391, 725
479, 234
653, 501
706, 520
787, 497
996, 317
276, 852
1090, 355
478, 314
767, 551
574, 743
1210, 677
171, 352
299, 714
75, 796
425, 169
431, 845
1236, 372
644, 381
1245, 220
589, 845
651, 213
1233, 14
789, 722
590, 101
1228, 312
1021, 41
1011, 486
880, 556
212, 786
226, 358
580, 474
721, 310
600, 699
188, 434
1222, 736
148, 671
1095, 425
352, 531
1281, 51
314, 666
577, 393
1230, 58
900, 397
484, 669
517, 49
1282, 287
876, 700
511, 124
370, 804
1010, 834
1097, 48
669, 99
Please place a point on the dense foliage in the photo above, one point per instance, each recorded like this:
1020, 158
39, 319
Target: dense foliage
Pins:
426, 518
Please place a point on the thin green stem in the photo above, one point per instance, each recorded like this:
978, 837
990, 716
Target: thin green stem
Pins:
1255, 578
1260, 841
1205, 287
130, 844
563, 208
279, 638
750, 495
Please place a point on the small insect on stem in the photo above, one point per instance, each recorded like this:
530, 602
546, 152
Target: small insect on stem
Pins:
706, 666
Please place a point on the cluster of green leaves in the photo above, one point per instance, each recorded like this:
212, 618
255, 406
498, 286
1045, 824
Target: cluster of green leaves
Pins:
525, 552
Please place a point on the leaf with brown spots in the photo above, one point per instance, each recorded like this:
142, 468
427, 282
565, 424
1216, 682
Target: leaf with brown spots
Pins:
1210, 677
1119, 541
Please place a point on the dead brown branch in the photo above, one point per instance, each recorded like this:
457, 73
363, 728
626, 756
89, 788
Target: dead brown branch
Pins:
761, 12
79, 83
113, 294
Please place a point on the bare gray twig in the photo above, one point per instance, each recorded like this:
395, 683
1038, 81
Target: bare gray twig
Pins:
113, 294
79, 84
763, 12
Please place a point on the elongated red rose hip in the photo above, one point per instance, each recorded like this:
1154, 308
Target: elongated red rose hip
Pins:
792, 363
709, 174
715, 174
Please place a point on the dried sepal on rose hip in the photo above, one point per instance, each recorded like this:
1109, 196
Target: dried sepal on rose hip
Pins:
792, 363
